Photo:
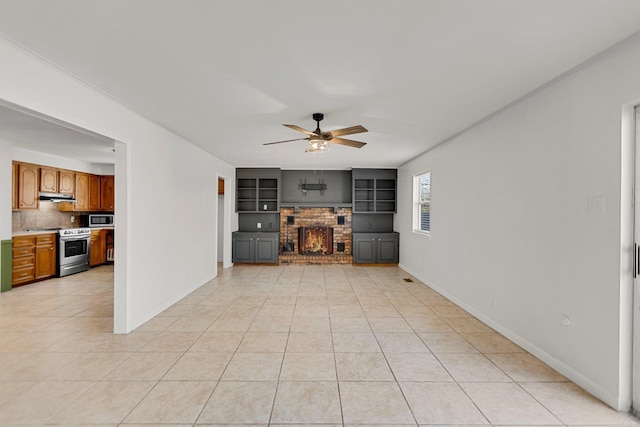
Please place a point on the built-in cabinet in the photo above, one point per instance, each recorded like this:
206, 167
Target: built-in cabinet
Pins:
106, 193
93, 193
54, 180
257, 190
97, 248
376, 248
374, 190
250, 247
26, 186
34, 258
46, 261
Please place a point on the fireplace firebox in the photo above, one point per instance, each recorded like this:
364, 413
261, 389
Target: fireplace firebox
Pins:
315, 240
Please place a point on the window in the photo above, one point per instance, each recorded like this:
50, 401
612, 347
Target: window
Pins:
422, 203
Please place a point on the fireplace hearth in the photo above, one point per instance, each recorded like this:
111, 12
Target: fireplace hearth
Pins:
315, 240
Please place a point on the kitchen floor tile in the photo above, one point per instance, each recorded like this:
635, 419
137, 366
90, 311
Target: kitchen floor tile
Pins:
307, 342
417, 367
374, 403
307, 403
347, 342
441, 403
308, 367
172, 402
239, 403
253, 367
268, 342
508, 404
194, 366
472, 368
362, 367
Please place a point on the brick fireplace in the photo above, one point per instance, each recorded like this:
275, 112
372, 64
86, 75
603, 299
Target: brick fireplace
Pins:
326, 232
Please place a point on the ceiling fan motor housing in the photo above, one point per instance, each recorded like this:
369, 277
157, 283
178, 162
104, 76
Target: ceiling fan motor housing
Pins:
318, 117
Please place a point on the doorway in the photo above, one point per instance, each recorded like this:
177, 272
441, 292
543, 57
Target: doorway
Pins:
635, 314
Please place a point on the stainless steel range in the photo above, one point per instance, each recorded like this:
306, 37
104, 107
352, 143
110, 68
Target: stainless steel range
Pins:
73, 250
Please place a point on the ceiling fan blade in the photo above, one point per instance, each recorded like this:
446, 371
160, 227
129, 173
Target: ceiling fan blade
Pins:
347, 131
348, 142
299, 129
288, 140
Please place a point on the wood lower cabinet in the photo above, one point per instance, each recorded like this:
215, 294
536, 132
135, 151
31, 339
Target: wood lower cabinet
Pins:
46, 261
34, 258
97, 248
376, 248
248, 247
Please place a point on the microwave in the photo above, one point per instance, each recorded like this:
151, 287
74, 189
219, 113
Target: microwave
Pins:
101, 220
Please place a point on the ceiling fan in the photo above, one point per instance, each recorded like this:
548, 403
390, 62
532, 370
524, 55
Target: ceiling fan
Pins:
319, 140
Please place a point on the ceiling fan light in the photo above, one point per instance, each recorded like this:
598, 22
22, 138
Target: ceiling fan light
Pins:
318, 145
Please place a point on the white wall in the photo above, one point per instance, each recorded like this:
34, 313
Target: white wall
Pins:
517, 235
171, 187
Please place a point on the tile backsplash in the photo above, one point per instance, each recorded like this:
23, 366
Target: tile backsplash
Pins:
46, 216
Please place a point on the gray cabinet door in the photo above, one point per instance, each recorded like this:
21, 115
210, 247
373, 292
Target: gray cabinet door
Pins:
364, 248
242, 249
388, 249
376, 248
266, 249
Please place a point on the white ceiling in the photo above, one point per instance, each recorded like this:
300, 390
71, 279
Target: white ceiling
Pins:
227, 74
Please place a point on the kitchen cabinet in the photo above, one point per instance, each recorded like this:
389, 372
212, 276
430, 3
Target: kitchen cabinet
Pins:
66, 181
27, 186
250, 247
376, 248
34, 258
106, 193
24, 260
81, 191
54, 180
14, 186
94, 192
374, 190
45, 259
258, 189
97, 248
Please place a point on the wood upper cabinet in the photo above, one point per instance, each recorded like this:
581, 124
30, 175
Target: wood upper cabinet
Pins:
66, 181
82, 192
94, 192
106, 193
28, 186
48, 180
54, 180
45, 265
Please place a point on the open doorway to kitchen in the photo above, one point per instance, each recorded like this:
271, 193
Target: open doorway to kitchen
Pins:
220, 239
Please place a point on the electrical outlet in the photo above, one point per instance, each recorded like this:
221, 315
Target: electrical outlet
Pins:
259, 225
73, 218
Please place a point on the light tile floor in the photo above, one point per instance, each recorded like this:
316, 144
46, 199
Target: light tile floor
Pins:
274, 345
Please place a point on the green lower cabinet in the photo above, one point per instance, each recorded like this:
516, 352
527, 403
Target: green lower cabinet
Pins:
6, 265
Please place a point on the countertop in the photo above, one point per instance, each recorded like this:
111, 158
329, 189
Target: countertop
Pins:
35, 232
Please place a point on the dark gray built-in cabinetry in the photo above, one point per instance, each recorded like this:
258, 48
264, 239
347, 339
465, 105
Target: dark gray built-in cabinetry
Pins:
255, 247
376, 248
374, 190
258, 206
258, 189
374, 205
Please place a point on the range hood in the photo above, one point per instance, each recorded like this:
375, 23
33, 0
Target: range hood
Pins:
56, 197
